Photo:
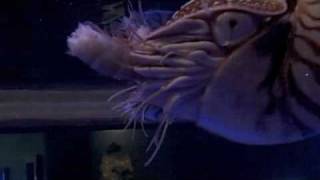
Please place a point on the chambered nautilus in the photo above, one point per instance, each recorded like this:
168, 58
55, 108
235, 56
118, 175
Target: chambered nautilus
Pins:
246, 70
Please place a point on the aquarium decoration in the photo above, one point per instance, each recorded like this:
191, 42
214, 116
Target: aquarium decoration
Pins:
246, 70
116, 164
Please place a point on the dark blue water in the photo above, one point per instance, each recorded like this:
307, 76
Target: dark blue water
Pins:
33, 55
33, 41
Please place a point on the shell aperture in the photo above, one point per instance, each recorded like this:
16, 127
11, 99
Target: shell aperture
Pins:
264, 91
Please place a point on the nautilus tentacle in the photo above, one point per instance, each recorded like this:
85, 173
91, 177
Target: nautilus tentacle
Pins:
247, 70
101, 51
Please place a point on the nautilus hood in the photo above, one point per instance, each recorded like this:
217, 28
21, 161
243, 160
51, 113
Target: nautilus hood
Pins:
247, 70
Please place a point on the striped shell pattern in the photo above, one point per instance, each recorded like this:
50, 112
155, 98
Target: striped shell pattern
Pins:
246, 70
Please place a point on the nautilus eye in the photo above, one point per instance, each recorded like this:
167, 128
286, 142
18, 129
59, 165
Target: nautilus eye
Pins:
230, 28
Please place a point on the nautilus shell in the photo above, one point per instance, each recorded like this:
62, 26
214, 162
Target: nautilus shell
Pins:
246, 70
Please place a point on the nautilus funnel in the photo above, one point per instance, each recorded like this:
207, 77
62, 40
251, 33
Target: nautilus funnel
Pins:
246, 70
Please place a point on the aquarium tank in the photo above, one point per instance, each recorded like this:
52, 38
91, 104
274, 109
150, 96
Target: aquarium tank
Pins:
160, 90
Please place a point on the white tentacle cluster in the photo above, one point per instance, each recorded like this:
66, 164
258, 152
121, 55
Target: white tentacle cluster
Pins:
217, 46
